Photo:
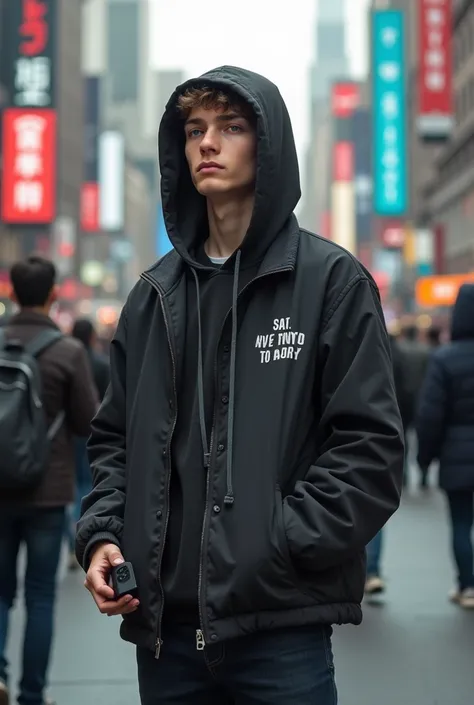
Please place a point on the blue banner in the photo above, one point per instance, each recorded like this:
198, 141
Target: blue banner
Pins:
389, 105
163, 244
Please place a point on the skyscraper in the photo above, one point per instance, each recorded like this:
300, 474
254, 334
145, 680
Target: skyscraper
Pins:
329, 65
331, 60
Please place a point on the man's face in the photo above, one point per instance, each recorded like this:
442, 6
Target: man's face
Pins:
221, 151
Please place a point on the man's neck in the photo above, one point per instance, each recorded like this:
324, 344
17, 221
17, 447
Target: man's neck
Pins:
228, 224
42, 310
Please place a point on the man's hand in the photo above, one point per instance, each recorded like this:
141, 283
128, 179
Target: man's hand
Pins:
104, 558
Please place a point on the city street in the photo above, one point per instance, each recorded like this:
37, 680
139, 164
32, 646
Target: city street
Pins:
413, 648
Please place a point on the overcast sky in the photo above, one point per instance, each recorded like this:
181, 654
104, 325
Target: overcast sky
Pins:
255, 34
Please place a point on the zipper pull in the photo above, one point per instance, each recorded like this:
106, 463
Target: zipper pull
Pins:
158, 645
200, 643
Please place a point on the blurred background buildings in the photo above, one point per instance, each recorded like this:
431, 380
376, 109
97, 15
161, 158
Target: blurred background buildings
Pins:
388, 170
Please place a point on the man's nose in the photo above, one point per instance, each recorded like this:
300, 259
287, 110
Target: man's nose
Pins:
210, 142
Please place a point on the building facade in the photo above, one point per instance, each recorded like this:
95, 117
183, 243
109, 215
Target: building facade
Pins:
449, 195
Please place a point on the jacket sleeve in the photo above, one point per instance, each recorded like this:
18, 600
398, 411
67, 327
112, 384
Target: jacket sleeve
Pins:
354, 485
82, 401
103, 508
430, 420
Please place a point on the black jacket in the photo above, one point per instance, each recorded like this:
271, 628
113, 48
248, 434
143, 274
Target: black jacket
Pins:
307, 456
445, 422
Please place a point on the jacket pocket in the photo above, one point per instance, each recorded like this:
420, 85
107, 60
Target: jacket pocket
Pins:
325, 586
283, 541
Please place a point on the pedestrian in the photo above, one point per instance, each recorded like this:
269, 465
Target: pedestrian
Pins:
445, 427
413, 357
34, 514
83, 330
251, 445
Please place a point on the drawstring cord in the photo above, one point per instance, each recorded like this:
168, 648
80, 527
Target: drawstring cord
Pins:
229, 498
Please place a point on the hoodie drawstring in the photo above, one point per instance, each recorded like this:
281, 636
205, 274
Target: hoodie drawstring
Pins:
229, 497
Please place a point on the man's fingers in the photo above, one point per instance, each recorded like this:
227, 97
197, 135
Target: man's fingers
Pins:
113, 555
125, 605
95, 581
105, 591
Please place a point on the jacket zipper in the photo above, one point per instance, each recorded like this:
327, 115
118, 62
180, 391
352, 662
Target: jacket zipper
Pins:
158, 640
200, 639
201, 633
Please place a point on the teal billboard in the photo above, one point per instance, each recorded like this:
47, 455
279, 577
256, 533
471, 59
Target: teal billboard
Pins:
389, 113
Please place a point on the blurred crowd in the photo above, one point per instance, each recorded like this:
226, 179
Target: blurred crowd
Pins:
434, 381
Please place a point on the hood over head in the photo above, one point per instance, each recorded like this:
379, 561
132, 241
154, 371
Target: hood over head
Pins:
277, 189
462, 323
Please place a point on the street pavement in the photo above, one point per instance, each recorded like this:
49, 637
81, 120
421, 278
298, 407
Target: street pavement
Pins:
413, 648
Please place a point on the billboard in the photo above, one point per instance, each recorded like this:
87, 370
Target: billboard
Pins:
362, 126
342, 212
29, 166
435, 91
389, 117
111, 180
31, 62
345, 97
89, 206
163, 243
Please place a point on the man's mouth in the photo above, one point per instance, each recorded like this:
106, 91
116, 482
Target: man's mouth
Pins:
209, 166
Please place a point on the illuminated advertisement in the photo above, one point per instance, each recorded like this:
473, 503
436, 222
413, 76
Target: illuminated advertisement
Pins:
389, 106
90, 220
435, 90
345, 98
29, 166
31, 58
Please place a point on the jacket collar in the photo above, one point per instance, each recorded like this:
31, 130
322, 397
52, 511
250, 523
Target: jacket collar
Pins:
281, 255
32, 318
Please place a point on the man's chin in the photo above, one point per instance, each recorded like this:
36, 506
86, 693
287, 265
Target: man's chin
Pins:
212, 187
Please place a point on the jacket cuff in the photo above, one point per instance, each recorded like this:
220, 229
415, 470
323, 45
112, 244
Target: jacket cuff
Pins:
99, 537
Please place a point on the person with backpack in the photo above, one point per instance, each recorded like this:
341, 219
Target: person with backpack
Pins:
47, 396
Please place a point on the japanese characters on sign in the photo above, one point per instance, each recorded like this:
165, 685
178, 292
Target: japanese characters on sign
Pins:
435, 110
390, 149
29, 166
32, 60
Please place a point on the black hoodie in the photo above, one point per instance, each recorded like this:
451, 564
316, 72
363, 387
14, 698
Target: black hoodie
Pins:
209, 298
306, 461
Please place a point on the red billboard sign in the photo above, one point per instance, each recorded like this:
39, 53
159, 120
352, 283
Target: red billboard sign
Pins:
29, 166
345, 99
435, 110
392, 234
90, 207
343, 167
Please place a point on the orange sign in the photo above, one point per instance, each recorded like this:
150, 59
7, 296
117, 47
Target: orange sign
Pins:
442, 290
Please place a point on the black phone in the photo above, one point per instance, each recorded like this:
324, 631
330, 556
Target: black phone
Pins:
123, 580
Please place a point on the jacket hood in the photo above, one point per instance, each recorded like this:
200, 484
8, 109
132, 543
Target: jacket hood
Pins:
462, 323
277, 188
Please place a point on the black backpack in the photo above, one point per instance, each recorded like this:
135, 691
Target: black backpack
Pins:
24, 434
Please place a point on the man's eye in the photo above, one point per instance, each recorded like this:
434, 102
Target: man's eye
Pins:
235, 128
195, 132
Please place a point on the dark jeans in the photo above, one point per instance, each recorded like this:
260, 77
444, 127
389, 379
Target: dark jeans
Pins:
292, 666
374, 553
461, 506
41, 530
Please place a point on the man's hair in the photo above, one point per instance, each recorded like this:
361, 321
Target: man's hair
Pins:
84, 331
213, 99
33, 280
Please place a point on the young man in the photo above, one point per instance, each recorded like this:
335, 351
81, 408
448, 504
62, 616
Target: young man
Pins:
36, 517
250, 445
